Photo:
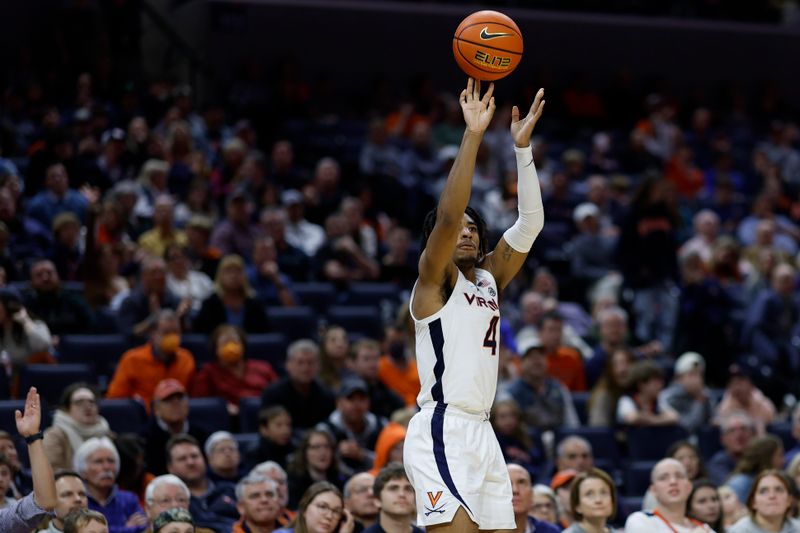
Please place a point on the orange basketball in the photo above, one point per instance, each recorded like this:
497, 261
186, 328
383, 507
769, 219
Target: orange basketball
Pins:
487, 45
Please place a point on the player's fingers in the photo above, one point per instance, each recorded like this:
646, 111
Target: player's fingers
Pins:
537, 100
539, 111
515, 114
476, 91
489, 94
463, 97
491, 104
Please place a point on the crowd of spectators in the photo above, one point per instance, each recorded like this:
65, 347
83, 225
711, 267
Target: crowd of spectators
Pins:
649, 353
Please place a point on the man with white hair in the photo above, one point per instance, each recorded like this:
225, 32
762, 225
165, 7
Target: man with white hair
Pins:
224, 458
97, 462
300, 392
671, 487
276, 473
165, 492
258, 505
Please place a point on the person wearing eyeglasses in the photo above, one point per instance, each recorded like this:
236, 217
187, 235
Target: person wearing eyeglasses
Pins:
322, 510
164, 493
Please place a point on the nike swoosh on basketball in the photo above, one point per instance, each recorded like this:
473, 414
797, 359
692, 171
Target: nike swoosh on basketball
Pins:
485, 35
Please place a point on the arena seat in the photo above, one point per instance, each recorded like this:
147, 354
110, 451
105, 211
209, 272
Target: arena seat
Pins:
209, 414
248, 414
581, 400
627, 506
637, 477
783, 430
299, 322
124, 415
197, 343
604, 444
708, 441
102, 352
8, 421
652, 442
269, 347
365, 319
372, 293
51, 380
245, 441
315, 294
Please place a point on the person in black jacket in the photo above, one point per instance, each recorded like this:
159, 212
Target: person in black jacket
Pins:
275, 437
233, 302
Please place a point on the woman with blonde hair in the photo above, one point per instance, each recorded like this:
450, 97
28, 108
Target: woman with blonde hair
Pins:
233, 301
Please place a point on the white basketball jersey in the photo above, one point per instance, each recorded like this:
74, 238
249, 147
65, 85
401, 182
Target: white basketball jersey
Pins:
458, 347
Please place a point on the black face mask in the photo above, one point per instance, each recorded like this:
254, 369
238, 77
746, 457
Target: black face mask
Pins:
397, 351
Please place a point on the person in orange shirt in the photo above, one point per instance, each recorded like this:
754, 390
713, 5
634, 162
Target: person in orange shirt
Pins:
141, 368
398, 371
563, 363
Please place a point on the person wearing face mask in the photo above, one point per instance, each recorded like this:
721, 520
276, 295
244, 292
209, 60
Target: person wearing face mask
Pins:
142, 368
231, 376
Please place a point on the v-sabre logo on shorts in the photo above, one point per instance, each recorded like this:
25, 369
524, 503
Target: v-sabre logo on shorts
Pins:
434, 499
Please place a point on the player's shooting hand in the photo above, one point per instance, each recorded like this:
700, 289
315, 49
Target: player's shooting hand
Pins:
522, 128
477, 111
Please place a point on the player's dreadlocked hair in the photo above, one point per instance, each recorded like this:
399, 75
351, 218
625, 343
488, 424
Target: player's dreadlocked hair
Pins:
430, 221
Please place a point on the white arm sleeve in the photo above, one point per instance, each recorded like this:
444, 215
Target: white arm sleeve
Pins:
530, 222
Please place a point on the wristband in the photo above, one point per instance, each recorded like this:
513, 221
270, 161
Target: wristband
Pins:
30, 439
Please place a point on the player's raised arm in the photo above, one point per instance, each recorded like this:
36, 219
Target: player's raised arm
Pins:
511, 251
437, 258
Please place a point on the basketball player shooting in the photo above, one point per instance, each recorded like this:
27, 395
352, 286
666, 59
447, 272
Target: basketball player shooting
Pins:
451, 454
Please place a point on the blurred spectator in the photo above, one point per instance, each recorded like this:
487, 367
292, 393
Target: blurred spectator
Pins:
198, 203
141, 369
22, 337
140, 306
737, 429
283, 168
591, 251
795, 420
97, 462
300, 392
258, 505
523, 501
741, 396
399, 264
224, 459
364, 361
688, 395
732, 509
391, 442
340, 260
334, 349
602, 406
362, 233
21, 482
647, 255
689, 456
397, 369
323, 195
170, 417
277, 474
85, 521
545, 402
379, 155
593, 499
212, 505
545, 508
271, 286
236, 233
320, 509
231, 376
514, 436
165, 492
76, 420
184, 281
132, 475
164, 233
640, 406
105, 285
293, 259
395, 496
563, 362
671, 488
274, 437
562, 485
360, 500
57, 197
770, 505
204, 257
612, 328
300, 233
761, 453
786, 232
704, 504
233, 301
574, 453
352, 425
67, 253
315, 460
64, 312
706, 230
71, 493
27, 238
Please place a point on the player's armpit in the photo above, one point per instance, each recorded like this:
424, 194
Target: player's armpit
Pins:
504, 262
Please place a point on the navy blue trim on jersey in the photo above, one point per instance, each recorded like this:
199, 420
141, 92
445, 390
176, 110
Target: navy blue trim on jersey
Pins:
437, 339
437, 420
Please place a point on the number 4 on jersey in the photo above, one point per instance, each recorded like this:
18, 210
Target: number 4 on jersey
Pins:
490, 340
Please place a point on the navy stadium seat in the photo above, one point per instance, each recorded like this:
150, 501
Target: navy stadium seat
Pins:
315, 294
652, 442
245, 441
8, 422
708, 441
637, 477
783, 430
209, 414
248, 414
358, 319
627, 506
197, 343
299, 322
269, 347
581, 400
51, 380
604, 444
124, 415
101, 351
372, 293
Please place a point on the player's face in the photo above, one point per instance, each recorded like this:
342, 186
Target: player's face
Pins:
595, 499
467, 250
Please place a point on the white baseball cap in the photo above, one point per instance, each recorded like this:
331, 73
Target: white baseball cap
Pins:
687, 361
